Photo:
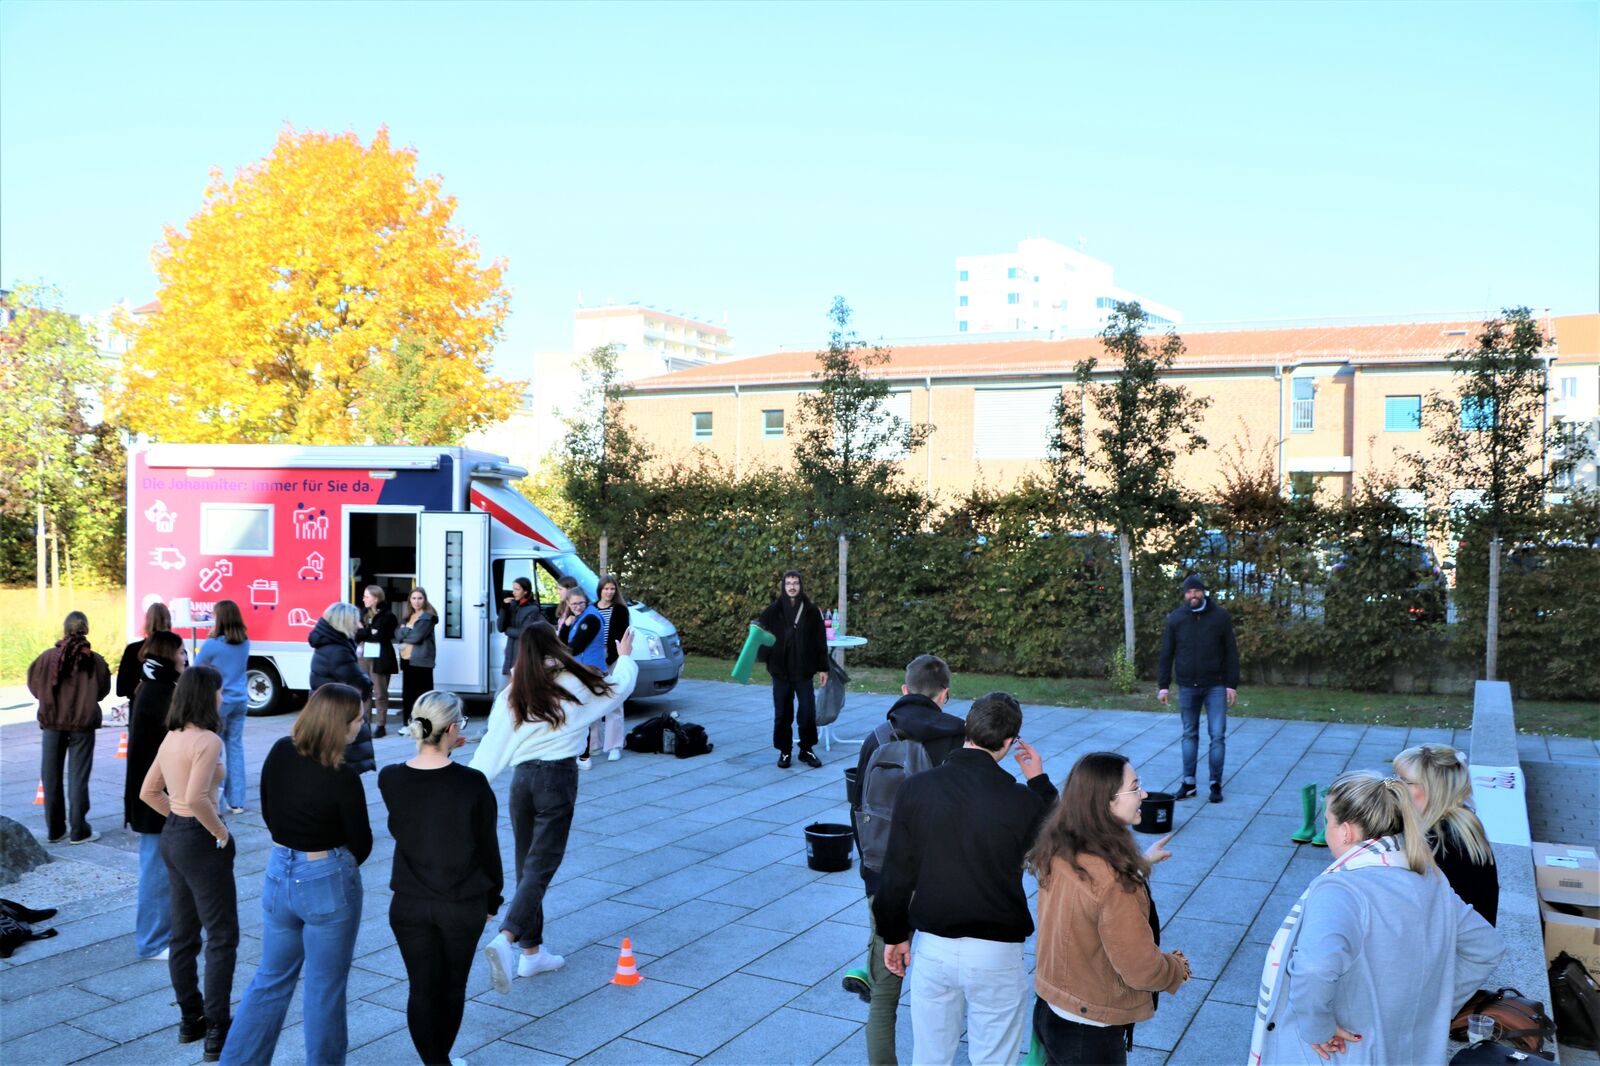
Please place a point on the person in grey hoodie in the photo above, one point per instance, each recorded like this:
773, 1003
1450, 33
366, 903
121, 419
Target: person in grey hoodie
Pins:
1380, 952
518, 611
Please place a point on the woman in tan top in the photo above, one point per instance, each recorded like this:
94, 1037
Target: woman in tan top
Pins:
198, 849
1099, 963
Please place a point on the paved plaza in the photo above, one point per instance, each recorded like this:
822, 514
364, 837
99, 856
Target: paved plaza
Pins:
702, 863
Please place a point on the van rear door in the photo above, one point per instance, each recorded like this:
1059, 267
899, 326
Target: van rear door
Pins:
453, 554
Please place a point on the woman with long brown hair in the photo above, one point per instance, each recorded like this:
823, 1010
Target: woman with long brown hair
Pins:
375, 641
147, 728
417, 651
69, 681
538, 725
157, 619
1099, 964
227, 651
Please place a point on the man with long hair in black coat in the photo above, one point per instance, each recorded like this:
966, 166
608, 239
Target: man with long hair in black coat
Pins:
799, 651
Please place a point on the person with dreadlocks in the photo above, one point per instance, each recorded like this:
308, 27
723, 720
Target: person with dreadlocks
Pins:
69, 681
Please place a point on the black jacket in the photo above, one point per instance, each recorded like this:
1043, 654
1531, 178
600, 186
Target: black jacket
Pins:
921, 719
333, 658
147, 728
616, 626
128, 671
514, 618
800, 650
956, 845
1200, 645
1478, 886
380, 630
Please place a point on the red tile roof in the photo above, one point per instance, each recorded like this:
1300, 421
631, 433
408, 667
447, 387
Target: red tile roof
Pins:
1577, 339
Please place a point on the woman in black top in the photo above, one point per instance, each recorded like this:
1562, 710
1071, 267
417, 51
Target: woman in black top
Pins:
1441, 788
376, 633
157, 619
446, 878
800, 651
147, 728
334, 661
518, 611
316, 810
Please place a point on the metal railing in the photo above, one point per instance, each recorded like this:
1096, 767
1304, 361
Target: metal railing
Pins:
1300, 415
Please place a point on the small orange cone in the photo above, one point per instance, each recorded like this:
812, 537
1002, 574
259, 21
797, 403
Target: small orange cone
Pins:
38, 797
627, 970
122, 747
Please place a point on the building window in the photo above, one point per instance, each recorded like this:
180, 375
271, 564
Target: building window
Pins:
962, 326
1300, 416
702, 425
772, 423
1302, 486
1036, 279
1563, 480
1013, 423
1012, 272
1569, 387
1476, 413
963, 301
1402, 414
1013, 297
962, 276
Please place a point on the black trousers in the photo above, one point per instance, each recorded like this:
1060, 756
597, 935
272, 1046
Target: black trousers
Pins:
786, 692
203, 896
1069, 1043
414, 681
543, 795
437, 942
73, 751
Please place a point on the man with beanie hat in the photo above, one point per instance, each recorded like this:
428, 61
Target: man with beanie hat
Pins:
1198, 646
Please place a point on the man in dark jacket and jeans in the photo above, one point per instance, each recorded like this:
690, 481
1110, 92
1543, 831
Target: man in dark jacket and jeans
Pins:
954, 874
918, 715
799, 651
1198, 646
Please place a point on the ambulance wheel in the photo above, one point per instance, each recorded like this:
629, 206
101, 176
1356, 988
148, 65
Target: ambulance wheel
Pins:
263, 688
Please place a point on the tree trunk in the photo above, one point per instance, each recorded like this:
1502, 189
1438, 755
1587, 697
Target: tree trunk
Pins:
844, 579
605, 548
1125, 543
55, 559
38, 553
1491, 644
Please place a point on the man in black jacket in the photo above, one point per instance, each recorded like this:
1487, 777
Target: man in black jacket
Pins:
918, 715
954, 874
1198, 646
800, 650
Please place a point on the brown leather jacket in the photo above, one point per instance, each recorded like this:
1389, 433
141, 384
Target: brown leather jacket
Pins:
75, 705
1097, 957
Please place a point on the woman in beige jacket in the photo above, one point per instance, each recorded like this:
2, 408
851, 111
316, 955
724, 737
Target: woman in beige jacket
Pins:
1099, 964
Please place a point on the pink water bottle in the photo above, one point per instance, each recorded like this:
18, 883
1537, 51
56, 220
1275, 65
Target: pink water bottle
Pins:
829, 618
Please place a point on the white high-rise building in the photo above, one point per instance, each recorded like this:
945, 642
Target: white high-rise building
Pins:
1041, 287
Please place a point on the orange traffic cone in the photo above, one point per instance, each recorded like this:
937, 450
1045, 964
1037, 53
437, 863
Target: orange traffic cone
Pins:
38, 797
627, 970
122, 747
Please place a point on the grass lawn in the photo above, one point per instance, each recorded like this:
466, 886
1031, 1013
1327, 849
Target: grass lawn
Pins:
1557, 717
27, 631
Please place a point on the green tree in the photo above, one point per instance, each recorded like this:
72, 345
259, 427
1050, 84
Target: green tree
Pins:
601, 457
49, 373
1117, 437
1495, 453
405, 399
847, 443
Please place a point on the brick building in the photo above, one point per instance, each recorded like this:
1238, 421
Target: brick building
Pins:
1326, 404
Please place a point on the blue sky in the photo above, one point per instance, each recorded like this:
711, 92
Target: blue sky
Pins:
1238, 161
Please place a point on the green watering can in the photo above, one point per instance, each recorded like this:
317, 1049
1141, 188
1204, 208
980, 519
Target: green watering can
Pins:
759, 638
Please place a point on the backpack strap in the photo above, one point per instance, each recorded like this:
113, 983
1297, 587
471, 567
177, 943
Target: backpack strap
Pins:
886, 733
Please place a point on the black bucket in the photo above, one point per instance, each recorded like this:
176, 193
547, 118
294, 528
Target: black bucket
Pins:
1155, 813
828, 847
849, 782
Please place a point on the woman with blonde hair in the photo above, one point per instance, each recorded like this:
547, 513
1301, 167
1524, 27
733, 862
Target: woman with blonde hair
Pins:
334, 661
417, 651
227, 651
1379, 951
446, 885
316, 811
1441, 791
376, 639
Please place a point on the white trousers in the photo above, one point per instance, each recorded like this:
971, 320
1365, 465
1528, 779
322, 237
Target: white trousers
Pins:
612, 723
986, 977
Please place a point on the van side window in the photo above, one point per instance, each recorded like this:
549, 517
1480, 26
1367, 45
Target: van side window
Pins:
236, 528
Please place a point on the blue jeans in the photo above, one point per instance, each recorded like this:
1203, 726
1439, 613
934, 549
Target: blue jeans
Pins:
312, 909
543, 795
152, 918
233, 716
1215, 699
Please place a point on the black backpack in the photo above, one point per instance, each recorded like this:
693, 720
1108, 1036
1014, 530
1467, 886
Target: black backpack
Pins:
646, 736
651, 737
1575, 1001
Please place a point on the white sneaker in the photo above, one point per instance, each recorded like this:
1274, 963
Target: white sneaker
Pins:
502, 963
161, 956
458, 1062
539, 962
613, 755
584, 762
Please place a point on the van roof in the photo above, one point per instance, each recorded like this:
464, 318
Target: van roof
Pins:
326, 457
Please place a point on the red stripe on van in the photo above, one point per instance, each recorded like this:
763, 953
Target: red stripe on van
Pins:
506, 518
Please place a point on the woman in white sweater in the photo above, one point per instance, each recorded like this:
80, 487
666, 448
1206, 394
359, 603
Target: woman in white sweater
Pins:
539, 725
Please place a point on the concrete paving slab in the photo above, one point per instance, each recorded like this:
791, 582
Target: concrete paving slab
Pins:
721, 1011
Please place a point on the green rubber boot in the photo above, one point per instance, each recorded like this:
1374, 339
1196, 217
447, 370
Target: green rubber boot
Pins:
1308, 810
1321, 839
859, 982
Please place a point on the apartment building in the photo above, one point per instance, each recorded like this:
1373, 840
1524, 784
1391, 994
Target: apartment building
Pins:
1041, 287
1326, 405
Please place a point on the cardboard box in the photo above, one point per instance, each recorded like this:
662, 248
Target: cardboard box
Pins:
1575, 930
1567, 874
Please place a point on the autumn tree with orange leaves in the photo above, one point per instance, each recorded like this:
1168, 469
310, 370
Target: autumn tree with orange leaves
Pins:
322, 297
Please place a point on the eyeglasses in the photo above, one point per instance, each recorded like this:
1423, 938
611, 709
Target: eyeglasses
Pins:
1128, 791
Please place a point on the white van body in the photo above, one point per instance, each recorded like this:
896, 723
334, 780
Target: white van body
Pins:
286, 530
